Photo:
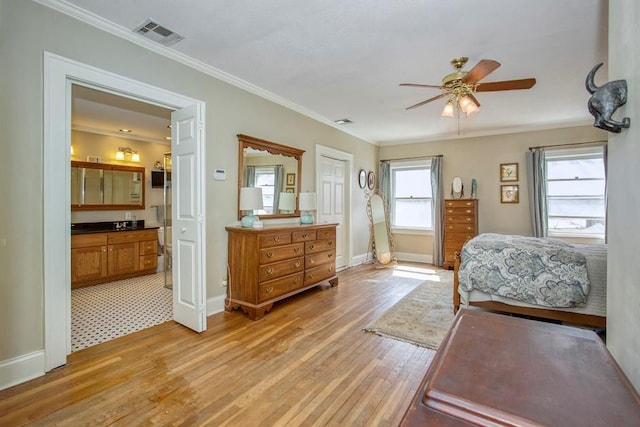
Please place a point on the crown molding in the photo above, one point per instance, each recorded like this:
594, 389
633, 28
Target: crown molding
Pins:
94, 20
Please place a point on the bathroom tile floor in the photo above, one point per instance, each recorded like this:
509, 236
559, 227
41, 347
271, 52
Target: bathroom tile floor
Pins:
103, 312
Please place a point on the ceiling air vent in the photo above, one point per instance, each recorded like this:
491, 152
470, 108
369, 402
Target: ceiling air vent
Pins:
158, 33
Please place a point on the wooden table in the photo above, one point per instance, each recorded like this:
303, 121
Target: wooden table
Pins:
493, 369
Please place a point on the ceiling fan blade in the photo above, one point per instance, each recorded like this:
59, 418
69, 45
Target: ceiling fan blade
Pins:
419, 104
480, 71
420, 85
506, 85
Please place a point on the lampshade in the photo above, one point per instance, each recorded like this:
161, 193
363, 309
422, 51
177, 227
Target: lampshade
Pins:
448, 109
287, 202
468, 106
307, 201
250, 198
120, 155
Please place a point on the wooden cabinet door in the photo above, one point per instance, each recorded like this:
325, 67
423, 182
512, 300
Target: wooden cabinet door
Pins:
124, 258
88, 263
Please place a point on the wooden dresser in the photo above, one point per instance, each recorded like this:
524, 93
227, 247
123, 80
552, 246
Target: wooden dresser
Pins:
275, 262
493, 369
106, 257
460, 224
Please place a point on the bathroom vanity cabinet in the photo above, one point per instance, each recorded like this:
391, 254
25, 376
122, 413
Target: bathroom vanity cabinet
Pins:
106, 257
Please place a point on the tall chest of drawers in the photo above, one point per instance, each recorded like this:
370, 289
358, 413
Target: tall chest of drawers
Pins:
460, 224
275, 262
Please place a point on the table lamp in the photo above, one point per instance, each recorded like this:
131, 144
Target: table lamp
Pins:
250, 200
287, 202
307, 204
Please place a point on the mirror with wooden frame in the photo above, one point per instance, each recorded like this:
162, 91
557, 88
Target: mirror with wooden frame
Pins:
275, 167
100, 187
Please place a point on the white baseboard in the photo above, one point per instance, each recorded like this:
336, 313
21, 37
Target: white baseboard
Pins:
215, 305
410, 257
21, 369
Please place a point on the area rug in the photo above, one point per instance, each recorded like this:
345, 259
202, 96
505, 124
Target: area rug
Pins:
423, 316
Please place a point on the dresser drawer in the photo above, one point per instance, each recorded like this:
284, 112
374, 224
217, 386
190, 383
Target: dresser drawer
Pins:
280, 253
319, 273
459, 211
319, 258
460, 228
279, 269
459, 203
319, 246
303, 236
277, 287
275, 239
454, 219
327, 233
458, 237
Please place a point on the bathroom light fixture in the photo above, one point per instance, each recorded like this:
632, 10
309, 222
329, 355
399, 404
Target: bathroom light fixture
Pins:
126, 130
127, 151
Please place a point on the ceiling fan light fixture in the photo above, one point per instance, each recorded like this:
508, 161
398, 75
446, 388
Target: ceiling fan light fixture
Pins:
448, 109
467, 106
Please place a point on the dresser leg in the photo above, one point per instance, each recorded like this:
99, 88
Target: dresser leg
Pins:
333, 282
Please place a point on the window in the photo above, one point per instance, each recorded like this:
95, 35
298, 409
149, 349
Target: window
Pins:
575, 192
265, 178
411, 198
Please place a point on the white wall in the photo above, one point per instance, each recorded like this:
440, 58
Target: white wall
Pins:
623, 268
480, 158
27, 29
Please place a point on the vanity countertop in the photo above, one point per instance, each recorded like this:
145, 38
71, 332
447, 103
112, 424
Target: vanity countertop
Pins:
108, 227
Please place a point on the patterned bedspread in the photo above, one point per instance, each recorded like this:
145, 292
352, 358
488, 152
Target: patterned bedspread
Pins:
545, 271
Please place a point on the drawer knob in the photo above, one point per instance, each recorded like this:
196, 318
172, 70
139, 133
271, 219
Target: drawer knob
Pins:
304, 236
330, 242
276, 239
312, 261
297, 264
296, 250
269, 289
468, 227
329, 255
269, 270
297, 280
468, 210
312, 246
310, 275
269, 254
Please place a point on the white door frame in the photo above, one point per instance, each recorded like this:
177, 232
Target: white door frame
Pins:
322, 151
59, 74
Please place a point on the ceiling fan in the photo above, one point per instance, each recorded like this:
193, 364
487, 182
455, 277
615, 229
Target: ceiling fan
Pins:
460, 86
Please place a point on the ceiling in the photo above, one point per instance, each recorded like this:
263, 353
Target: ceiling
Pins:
335, 60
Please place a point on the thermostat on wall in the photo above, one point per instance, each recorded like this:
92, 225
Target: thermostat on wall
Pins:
219, 174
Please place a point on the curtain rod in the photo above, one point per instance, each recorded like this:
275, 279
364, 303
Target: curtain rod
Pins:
412, 158
593, 143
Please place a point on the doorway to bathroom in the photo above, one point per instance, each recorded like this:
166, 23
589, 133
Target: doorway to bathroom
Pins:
187, 149
114, 131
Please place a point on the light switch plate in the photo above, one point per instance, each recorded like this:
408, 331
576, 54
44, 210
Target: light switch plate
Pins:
219, 174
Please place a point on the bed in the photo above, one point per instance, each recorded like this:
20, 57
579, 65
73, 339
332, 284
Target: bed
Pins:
544, 278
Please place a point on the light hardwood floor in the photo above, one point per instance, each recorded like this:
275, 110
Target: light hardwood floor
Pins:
307, 362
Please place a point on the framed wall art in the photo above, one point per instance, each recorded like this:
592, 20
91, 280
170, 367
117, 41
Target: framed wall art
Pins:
290, 190
291, 179
508, 172
371, 180
509, 193
362, 178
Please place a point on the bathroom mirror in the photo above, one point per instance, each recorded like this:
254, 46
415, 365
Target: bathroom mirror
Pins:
381, 238
275, 167
100, 186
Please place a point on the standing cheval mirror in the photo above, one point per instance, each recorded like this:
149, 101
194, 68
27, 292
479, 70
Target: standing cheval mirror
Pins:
381, 238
